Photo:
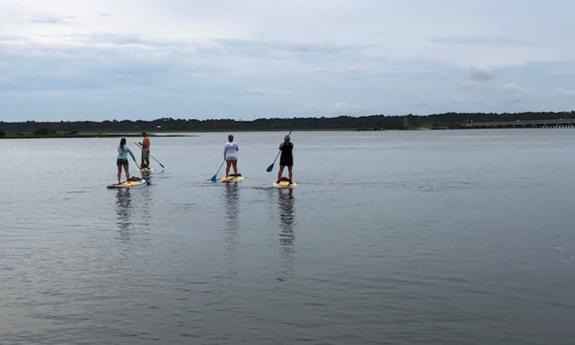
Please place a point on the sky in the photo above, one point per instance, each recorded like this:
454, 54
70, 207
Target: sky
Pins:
147, 59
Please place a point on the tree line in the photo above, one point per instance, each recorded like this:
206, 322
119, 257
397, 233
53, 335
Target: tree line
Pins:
371, 122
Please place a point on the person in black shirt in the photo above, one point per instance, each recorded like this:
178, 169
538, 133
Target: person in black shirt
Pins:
286, 158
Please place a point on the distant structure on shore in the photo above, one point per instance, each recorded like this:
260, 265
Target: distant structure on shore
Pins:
365, 123
554, 123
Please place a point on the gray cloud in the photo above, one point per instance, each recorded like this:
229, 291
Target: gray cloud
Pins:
143, 78
481, 76
45, 19
477, 40
36, 17
274, 49
354, 58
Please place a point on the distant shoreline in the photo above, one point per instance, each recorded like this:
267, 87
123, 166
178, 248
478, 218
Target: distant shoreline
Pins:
178, 133
89, 135
180, 127
170, 134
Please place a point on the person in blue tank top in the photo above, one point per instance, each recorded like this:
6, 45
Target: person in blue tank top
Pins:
122, 160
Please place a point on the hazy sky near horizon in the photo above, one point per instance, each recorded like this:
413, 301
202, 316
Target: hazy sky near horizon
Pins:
145, 59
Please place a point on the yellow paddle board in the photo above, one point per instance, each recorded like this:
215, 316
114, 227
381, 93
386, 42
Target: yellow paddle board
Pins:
128, 184
232, 179
284, 184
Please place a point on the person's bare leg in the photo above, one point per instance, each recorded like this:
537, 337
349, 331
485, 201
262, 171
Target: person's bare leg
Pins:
235, 163
119, 173
127, 169
290, 174
280, 173
228, 165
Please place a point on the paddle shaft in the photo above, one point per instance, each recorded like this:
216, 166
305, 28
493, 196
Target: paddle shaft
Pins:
221, 165
215, 177
136, 163
275, 159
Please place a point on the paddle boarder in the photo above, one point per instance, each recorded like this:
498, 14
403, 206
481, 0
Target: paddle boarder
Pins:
145, 145
122, 160
286, 158
231, 155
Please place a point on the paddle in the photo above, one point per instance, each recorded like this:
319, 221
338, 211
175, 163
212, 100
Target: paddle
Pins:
154, 158
271, 167
135, 162
215, 177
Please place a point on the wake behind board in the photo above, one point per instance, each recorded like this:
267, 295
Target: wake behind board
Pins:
151, 171
232, 179
284, 184
132, 183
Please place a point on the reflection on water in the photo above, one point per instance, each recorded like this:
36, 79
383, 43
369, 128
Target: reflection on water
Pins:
133, 210
124, 211
232, 196
286, 234
145, 205
231, 233
287, 217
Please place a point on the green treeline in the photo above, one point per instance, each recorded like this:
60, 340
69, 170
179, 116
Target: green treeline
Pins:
373, 122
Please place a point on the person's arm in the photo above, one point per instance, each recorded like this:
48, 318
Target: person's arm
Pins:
225, 149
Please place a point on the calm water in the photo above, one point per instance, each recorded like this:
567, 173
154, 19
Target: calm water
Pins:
432, 237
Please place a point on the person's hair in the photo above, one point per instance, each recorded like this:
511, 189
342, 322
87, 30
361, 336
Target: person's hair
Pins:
287, 139
144, 134
122, 142
230, 138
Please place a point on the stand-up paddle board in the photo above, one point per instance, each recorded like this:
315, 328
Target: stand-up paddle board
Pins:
284, 183
232, 178
132, 183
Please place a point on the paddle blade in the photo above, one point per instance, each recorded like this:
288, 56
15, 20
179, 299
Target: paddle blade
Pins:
214, 178
270, 168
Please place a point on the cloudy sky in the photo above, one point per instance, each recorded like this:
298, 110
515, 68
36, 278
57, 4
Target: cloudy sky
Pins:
145, 59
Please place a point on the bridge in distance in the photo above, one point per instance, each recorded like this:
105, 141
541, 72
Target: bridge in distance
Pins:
555, 123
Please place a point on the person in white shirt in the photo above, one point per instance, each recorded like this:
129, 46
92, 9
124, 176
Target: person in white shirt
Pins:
231, 155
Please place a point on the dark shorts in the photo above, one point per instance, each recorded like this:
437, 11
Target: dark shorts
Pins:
123, 162
286, 162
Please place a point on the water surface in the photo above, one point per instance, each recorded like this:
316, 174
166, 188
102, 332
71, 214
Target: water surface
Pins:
418, 237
